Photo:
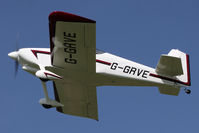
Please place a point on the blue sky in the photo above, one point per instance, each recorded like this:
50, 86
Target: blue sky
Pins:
139, 30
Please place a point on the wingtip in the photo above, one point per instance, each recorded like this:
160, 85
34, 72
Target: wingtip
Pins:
97, 119
68, 17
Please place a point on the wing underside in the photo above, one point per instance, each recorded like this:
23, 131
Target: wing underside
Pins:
73, 43
78, 100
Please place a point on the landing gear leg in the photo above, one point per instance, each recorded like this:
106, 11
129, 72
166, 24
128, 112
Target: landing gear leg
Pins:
46, 99
47, 102
187, 91
45, 90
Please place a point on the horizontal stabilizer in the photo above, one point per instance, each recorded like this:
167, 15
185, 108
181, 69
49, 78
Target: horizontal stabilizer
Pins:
169, 65
169, 90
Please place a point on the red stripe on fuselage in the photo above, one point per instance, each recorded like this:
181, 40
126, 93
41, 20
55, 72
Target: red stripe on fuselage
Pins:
52, 75
35, 52
103, 62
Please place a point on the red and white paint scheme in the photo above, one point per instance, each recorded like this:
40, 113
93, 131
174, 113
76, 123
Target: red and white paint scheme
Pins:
75, 67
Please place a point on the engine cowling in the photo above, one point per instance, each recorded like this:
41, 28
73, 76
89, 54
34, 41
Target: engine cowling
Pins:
47, 75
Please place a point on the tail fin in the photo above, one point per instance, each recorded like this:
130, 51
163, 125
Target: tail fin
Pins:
185, 78
174, 67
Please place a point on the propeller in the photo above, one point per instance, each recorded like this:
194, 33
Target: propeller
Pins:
16, 49
16, 68
15, 55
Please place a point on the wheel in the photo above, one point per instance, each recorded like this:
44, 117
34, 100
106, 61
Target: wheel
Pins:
188, 91
46, 106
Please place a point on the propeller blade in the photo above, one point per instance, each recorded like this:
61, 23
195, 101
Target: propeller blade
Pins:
16, 68
16, 49
17, 42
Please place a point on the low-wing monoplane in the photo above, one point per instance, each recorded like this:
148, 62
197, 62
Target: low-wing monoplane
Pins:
76, 68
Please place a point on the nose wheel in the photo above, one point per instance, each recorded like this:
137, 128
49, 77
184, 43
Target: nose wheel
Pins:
187, 91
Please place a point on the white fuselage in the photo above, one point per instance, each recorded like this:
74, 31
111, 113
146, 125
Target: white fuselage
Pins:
110, 69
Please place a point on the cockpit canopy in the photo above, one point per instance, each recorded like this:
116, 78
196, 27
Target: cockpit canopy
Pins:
99, 51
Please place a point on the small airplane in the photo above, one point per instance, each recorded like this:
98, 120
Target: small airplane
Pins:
76, 68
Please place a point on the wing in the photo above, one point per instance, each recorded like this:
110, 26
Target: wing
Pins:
78, 99
73, 47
